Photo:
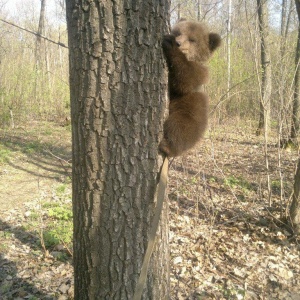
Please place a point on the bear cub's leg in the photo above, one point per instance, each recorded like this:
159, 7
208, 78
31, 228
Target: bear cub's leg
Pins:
185, 125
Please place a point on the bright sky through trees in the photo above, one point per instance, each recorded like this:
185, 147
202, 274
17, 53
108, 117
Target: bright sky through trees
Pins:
15, 9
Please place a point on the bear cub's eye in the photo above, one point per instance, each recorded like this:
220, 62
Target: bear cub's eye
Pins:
192, 40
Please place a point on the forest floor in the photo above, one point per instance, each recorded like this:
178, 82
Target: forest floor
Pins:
226, 236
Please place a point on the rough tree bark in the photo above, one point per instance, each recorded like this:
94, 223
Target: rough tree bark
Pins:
266, 78
39, 49
118, 96
229, 48
295, 115
295, 206
41, 31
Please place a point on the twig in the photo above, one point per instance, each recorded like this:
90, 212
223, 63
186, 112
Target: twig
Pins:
57, 157
67, 248
35, 33
61, 161
227, 92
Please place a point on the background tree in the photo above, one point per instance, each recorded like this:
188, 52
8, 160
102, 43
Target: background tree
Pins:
199, 10
266, 79
40, 53
229, 47
22, 88
118, 90
295, 206
40, 31
295, 110
280, 79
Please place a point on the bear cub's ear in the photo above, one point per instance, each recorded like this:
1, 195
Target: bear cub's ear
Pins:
214, 41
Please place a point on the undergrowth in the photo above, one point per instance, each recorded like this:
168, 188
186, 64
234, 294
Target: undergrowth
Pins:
52, 221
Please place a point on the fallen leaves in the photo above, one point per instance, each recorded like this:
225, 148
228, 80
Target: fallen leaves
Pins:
225, 241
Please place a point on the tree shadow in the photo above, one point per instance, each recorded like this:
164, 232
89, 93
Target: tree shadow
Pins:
15, 282
46, 158
14, 287
25, 237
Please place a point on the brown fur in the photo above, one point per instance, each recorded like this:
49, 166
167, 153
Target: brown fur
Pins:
187, 49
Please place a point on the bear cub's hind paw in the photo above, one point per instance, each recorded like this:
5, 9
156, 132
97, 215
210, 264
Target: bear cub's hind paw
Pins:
164, 147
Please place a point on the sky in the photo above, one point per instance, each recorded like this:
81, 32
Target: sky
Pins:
15, 8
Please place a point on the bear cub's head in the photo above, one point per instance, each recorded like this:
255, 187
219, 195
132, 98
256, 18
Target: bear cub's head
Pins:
195, 40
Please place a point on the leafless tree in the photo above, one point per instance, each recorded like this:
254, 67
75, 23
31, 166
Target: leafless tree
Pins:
266, 79
295, 114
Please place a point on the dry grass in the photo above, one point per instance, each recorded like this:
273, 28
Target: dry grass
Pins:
227, 242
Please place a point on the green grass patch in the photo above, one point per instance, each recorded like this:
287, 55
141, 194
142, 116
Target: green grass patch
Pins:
276, 186
34, 215
58, 233
59, 224
61, 213
61, 189
33, 147
6, 234
55, 218
5, 154
238, 182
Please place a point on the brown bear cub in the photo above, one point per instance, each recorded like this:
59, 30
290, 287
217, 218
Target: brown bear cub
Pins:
187, 50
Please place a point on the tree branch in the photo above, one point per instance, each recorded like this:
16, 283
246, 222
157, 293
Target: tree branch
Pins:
35, 33
227, 92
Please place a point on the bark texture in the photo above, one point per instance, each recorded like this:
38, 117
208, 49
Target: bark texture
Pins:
295, 207
40, 32
118, 99
266, 78
295, 116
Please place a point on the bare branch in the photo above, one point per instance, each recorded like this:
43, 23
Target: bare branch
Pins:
35, 33
225, 96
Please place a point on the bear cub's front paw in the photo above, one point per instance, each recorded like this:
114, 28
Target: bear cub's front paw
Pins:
169, 42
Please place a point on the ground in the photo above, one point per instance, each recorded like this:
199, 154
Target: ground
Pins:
226, 235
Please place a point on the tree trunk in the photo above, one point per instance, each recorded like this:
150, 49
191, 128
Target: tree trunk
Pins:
38, 55
266, 78
229, 48
199, 10
283, 24
178, 11
41, 31
295, 114
295, 207
118, 95
283, 72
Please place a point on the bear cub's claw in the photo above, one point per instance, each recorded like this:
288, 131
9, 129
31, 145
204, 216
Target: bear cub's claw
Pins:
169, 42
